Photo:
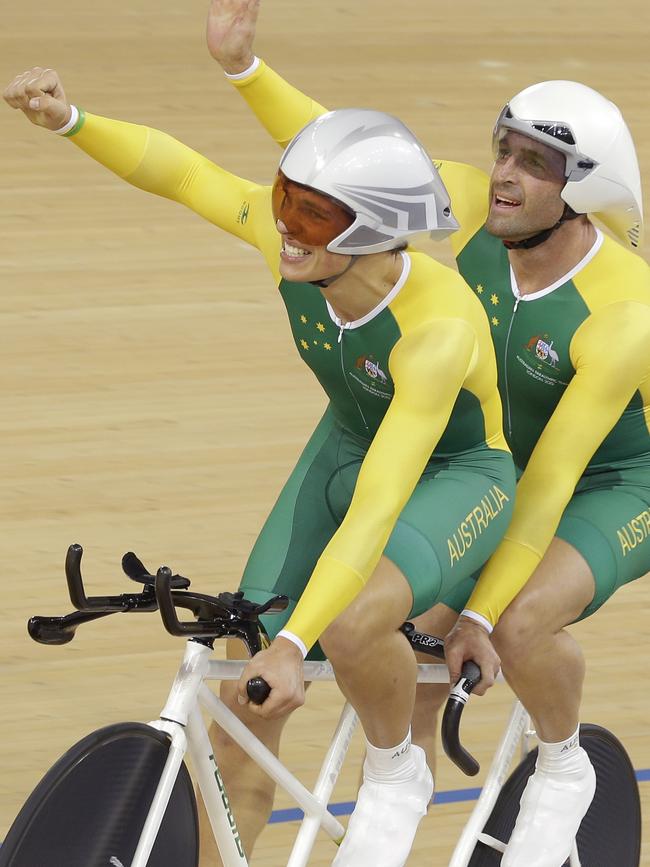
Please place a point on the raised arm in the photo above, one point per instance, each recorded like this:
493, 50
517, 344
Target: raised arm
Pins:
151, 160
283, 110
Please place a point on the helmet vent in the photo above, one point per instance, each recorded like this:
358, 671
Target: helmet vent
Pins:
633, 234
556, 130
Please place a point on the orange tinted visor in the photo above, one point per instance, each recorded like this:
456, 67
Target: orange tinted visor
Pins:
312, 218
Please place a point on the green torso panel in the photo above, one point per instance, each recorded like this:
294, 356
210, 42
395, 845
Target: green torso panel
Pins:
350, 364
353, 366
532, 339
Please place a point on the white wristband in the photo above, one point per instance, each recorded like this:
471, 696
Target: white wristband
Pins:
74, 117
478, 618
284, 633
237, 76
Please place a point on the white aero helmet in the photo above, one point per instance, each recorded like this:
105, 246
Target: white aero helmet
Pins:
374, 165
602, 171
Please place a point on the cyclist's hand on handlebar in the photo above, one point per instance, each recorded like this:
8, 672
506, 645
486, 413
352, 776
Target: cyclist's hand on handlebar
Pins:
281, 667
230, 32
39, 94
469, 640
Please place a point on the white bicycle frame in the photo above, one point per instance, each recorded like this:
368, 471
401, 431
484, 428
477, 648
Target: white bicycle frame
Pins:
182, 720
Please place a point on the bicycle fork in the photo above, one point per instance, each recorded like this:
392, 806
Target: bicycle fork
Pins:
217, 804
180, 714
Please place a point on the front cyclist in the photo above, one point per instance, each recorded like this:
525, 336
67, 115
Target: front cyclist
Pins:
569, 310
409, 458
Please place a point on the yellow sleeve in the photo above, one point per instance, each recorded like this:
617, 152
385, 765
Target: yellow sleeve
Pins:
468, 189
606, 378
441, 354
282, 109
156, 162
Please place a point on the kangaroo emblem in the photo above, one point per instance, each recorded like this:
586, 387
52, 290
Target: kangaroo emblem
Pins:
543, 350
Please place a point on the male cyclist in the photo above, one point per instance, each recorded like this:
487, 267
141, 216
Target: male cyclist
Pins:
408, 458
569, 310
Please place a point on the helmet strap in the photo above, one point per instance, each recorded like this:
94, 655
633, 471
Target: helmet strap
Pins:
327, 281
544, 235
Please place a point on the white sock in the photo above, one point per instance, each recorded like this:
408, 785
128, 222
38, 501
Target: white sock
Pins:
564, 757
392, 765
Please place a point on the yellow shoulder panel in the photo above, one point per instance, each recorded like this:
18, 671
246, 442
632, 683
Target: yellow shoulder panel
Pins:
614, 274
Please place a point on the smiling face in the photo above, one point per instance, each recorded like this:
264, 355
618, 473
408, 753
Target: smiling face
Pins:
308, 221
525, 187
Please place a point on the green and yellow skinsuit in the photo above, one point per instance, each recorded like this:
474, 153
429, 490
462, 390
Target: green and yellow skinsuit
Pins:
409, 459
574, 377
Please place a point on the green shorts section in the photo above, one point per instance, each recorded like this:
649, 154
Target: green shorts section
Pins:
453, 521
457, 598
608, 522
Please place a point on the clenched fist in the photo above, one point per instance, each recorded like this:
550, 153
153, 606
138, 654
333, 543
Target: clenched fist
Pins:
38, 93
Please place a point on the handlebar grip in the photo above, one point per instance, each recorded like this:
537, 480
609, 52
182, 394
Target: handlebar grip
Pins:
471, 673
258, 690
73, 575
166, 604
470, 676
49, 630
76, 589
60, 630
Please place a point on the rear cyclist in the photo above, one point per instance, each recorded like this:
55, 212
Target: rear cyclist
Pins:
569, 312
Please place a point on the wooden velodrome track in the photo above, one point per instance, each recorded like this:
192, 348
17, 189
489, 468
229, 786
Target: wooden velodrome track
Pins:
151, 397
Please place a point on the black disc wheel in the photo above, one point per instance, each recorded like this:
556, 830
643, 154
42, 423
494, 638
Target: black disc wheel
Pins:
610, 833
90, 807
